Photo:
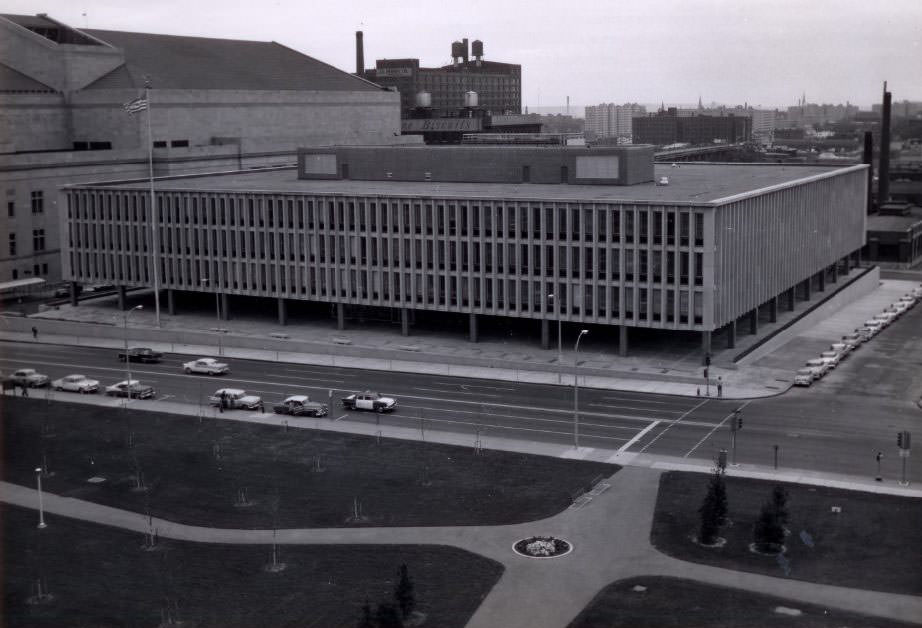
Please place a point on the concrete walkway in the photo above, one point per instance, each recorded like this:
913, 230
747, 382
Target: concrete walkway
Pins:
610, 538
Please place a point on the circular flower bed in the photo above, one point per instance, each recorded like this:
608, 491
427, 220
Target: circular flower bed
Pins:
542, 547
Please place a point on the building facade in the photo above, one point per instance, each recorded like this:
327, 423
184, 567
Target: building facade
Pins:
616, 242
214, 103
667, 127
610, 120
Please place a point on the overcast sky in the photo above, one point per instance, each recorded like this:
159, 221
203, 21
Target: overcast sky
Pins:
764, 52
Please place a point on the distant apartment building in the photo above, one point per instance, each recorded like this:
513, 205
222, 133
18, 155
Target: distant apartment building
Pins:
611, 120
667, 127
215, 104
902, 109
498, 85
812, 114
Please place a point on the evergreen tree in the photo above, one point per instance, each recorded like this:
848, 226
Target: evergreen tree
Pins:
367, 620
713, 510
403, 594
767, 533
720, 496
780, 505
387, 616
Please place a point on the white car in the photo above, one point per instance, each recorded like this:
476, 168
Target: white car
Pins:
76, 383
234, 398
831, 357
899, 307
369, 401
885, 318
874, 325
29, 377
908, 299
854, 340
842, 348
819, 367
804, 377
206, 366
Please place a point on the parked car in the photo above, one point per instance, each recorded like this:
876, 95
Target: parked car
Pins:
854, 339
842, 348
899, 308
76, 383
133, 389
874, 325
819, 367
29, 377
140, 354
804, 377
235, 398
885, 318
369, 401
832, 358
301, 405
206, 366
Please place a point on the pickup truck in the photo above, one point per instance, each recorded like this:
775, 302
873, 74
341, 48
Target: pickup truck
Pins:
140, 354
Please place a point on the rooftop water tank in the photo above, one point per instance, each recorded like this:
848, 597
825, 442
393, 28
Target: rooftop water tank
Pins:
470, 99
423, 99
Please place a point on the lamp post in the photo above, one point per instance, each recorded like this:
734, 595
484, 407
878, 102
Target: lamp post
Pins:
576, 389
41, 509
128, 357
559, 343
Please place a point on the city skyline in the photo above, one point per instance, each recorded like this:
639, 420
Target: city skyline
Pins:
764, 54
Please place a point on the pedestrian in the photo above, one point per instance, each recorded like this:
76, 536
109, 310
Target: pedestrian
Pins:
262, 408
34, 333
25, 390
699, 391
720, 388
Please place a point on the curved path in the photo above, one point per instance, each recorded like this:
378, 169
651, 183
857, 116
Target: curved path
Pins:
610, 535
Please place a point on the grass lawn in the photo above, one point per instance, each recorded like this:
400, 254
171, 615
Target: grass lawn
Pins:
669, 602
100, 577
194, 471
873, 543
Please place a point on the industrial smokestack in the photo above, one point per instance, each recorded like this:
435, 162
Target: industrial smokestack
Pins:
883, 172
466, 49
868, 158
359, 54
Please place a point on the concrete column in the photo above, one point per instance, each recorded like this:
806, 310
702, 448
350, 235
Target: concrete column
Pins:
834, 275
171, 302
73, 294
857, 258
473, 328
545, 334
340, 317
822, 275
705, 343
225, 307
754, 320
122, 294
731, 334
283, 311
404, 321
773, 310
807, 282
622, 340
792, 299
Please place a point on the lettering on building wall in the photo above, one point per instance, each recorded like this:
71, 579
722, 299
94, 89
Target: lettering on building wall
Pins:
451, 124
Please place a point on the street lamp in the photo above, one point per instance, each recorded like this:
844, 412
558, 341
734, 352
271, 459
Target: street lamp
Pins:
559, 345
41, 510
128, 357
576, 389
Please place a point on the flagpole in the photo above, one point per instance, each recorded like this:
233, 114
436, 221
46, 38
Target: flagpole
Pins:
155, 228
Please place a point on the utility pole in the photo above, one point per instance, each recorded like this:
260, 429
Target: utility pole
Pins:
736, 424
576, 389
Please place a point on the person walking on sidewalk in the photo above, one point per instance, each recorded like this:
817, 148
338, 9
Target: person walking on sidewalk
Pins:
720, 387
34, 332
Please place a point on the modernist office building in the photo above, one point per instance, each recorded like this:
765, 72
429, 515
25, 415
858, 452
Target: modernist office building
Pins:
481, 230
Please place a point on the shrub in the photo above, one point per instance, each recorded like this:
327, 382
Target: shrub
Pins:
768, 534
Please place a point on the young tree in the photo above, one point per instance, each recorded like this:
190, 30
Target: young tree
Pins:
367, 620
780, 505
767, 533
387, 616
403, 593
713, 510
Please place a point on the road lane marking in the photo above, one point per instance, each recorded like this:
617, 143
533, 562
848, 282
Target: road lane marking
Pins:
639, 435
456, 392
716, 427
605, 405
671, 424
340, 418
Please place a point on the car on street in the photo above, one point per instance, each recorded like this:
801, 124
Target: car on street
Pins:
885, 318
301, 405
369, 400
874, 325
235, 398
29, 377
899, 308
819, 367
854, 339
206, 366
842, 348
141, 354
804, 377
908, 298
133, 389
76, 383
831, 357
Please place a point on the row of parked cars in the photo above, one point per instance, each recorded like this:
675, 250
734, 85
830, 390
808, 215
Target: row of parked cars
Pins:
815, 368
30, 378
301, 405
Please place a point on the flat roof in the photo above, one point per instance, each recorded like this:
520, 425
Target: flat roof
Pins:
689, 184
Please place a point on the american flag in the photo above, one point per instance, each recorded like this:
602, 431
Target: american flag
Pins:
136, 105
